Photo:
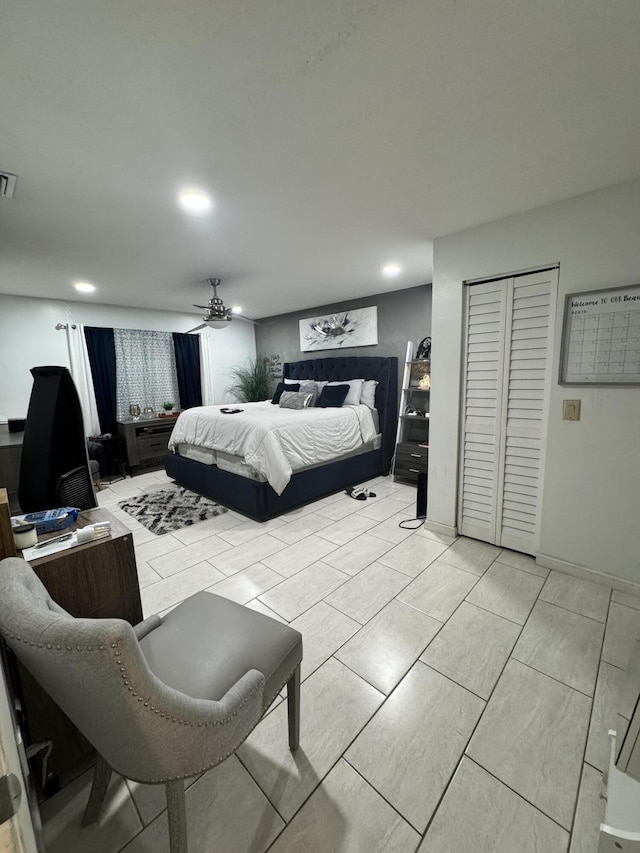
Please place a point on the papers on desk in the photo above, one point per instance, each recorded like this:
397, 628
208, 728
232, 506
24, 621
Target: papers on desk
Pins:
90, 533
46, 548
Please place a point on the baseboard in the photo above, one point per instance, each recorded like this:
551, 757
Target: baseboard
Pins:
548, 562
445, 529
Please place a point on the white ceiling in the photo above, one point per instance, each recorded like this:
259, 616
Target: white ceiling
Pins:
334, 136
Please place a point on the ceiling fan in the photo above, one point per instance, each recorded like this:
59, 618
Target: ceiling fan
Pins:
217, 317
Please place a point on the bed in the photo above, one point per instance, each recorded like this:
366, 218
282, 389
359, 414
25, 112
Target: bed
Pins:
259, 500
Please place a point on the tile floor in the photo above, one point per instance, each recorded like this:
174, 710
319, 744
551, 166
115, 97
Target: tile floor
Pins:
456, 697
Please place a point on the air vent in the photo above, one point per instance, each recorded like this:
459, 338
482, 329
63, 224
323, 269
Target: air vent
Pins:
7, 184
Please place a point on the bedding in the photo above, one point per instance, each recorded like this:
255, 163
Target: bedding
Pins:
333, 396
275, 441
227, 480
360, 390
294, 386
295, 400
353, 394
237, 465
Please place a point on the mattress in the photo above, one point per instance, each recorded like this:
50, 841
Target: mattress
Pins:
271, 441
237, 465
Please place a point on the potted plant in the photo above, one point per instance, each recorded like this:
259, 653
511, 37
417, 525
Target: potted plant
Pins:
168, 409
251, 381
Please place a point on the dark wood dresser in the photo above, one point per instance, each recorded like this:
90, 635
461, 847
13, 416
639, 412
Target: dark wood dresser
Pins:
145, 439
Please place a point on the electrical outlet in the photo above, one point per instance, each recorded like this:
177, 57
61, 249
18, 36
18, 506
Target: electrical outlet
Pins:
571, 410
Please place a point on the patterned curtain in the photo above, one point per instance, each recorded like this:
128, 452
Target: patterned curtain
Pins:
145, 370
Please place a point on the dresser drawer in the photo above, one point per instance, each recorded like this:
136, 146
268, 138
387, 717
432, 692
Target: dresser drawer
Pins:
408, 471
411, 460
412, 454
154, 444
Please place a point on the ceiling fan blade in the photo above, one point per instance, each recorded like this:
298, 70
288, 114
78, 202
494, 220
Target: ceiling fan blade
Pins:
204, 307
201, 326
246, 319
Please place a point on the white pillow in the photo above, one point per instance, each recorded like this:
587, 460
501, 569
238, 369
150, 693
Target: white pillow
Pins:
368, 396
355, 391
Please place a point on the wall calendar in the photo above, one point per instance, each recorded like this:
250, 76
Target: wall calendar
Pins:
601, 337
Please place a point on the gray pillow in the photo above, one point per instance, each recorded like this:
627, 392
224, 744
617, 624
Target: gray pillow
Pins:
308, 386
368, 393
295, 400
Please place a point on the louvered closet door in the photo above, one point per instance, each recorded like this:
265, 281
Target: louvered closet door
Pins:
486, 312
506, 388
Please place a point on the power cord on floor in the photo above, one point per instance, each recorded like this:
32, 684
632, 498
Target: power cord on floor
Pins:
420, 518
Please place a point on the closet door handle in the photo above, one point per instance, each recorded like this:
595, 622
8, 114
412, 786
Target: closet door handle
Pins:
417, 455
414, 470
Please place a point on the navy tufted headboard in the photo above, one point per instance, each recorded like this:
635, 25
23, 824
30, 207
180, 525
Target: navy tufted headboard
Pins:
383, 370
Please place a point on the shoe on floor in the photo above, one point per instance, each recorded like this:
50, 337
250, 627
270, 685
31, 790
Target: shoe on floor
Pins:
358, 494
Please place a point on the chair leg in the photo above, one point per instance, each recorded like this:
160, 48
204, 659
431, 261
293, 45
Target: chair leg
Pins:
293, 708
101, 777
177, 814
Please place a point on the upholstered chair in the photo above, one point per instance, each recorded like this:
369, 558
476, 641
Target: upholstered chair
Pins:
160, 702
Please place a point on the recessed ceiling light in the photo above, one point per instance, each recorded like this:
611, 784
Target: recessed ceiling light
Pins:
391, 270
84, 286
195, 201
237, 309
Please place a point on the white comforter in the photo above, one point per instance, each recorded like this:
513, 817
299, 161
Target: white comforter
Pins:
273, 440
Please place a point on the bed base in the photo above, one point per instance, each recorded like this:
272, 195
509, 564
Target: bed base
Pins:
258, 500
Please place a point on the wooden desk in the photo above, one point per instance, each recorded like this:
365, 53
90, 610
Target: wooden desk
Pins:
96, 580
10, 456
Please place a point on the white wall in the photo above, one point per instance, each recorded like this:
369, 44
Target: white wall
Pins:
28, 338
591, 497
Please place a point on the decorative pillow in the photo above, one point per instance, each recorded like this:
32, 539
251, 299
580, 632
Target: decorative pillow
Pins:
294, 386
308, 386
332, 396
355, 390
368, 396
295, 400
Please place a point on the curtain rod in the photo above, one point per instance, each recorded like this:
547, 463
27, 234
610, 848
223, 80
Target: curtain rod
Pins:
59, 326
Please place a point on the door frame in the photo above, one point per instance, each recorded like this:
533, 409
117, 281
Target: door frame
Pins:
21, 834
468, 283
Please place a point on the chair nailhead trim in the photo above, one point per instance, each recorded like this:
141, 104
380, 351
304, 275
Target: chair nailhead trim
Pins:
57, 647
155, 710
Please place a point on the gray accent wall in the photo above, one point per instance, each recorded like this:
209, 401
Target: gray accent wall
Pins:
403, 315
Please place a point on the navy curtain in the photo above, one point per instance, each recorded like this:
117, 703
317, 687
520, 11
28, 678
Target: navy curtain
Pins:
102, 358
187, 349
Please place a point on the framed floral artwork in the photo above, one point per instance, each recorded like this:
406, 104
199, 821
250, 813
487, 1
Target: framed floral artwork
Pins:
344, 329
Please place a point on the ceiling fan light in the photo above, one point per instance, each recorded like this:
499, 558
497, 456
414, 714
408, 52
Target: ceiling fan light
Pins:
218, 324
